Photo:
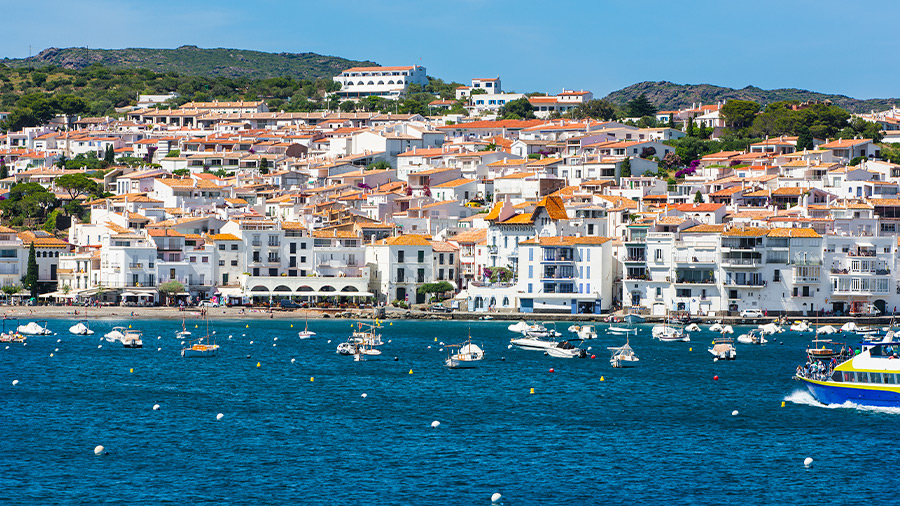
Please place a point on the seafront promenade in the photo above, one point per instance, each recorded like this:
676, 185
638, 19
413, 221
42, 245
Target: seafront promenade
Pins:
173, 313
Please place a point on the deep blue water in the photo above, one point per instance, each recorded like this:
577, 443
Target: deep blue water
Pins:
660, 433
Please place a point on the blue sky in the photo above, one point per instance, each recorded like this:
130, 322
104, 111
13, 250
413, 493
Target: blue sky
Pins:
600, 45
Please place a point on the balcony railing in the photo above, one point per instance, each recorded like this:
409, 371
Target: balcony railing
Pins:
746, 282
748, 262
635, 259
688, 281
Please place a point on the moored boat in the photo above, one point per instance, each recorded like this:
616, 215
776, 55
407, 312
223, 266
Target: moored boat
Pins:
723, 349
34, 328
567, 349
754, 336
622, 356
467, 355
81, 329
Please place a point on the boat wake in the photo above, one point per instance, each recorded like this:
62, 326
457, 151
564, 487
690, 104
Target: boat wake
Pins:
805, 398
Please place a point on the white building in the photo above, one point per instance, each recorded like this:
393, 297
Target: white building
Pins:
399, 265
386, 82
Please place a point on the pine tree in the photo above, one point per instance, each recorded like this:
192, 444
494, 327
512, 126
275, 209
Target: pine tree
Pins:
689, 129
110, 155
698, 197
30, 281
671, 121
263, 166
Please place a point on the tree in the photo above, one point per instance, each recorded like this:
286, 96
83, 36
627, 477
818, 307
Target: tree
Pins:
640, 106
517, 109
181, 172
110, 155
671, 121
434, 288
51, 225
77, 185
170, 289
11, 289
30, 281
648, 152
804, 139
689, 128
263, 166
698, 197
379, 165
4, 172
671, 160
625, 168
596, 109
739, 113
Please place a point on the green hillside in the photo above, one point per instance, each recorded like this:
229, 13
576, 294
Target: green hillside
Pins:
194, 61
666, 95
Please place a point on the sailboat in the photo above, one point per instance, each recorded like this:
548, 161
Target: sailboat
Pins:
466, 356
622, 356
184, 334
306, 333
203, 347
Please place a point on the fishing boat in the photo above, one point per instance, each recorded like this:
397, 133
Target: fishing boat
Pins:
115, 335
633, 319
669, 333
204, 347
467, 355
754, 336
567, 349
306, 333
81, 329
34, 328
133, 339
364, 333
623, 356
870, 378
583, 331
822, 349
723, 349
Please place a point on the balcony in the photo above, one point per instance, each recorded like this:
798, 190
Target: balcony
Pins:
806, 280
695, 259
741, 262
135, 266
689, 281
635, 259
857, 272
559, 258
747, 283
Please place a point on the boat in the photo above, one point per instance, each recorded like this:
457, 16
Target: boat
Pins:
566, 349
716, 327
869, 378
585, 331
823, 349
12, 337
728, 329
306, 333
203, 347
669, 333
723, 349
364, 333
81, 329
752, 337
467, 355
532, 330
622, 356
826, 329
34, 328
345, 349
692, 328
184, 333
633, 318
486, 317
770, 329
357, 350
115, 335
133, 339
533, 343
853, 328
800, 326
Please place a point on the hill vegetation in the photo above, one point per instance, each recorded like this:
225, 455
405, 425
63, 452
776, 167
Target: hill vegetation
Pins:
667, 95
194, 61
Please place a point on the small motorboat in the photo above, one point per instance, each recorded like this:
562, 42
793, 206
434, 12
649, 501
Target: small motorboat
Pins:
800, 326
12, 337
200, 349
81, 329
723, 349
486, 317
467, 355
716, 327
34, 329
633, 318
115, 335
566, 349
752, 337
133, 339
770, 329
584, 331
826, 329
533, 343
345, 349
622, 356
692, 328
728, 329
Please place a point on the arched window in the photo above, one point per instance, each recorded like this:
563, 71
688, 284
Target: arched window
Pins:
505, 301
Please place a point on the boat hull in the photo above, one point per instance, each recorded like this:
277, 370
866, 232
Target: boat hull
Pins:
191, 353
865, 394
533, 344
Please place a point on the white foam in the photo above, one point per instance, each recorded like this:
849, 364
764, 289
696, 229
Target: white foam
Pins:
805, 398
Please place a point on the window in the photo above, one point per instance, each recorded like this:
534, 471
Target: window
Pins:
777, 276
273, 272
440, 273
221, 247
420, 276
400, 256
421, 256
529, 287
302, 260
221, 263
234, 247
205, 260
530, 255
530, 271
658, 255
440, 259
450, 274
302, 245
400, 275
293, 247
234, 263
658, 292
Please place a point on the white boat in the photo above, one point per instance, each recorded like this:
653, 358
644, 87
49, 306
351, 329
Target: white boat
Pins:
306, 333
203, 347
623, 356
133, 339
486, 317
533, 343
566, 349
669, 333
184, 334
800, 326
627, 330
34, 329
692, 328
584, 331
755, 336
533, 330
518, 327
115, 335
364, 333
826, 329
716, 327
770, 329
852, 328
81, 329
723, 349
467, 355
345, 349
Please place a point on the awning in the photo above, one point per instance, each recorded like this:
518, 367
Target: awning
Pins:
57, 294
865, 245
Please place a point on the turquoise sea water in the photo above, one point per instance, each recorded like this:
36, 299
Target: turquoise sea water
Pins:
660, 433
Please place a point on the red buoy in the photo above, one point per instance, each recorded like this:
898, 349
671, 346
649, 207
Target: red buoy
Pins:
716, 377
593, 356
551, 370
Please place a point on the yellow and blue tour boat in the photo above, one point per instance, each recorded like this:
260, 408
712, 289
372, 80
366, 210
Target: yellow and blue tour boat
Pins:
871, 377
